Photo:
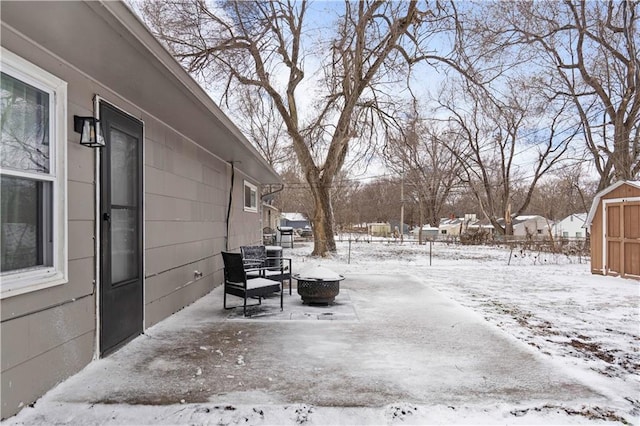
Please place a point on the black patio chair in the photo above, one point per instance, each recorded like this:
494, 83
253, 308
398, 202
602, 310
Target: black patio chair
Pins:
236, 283
258, 264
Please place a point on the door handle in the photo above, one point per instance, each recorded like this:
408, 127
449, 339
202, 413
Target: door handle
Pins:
107, 217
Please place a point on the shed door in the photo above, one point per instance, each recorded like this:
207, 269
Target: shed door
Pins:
631, 238
623, 238
121, 298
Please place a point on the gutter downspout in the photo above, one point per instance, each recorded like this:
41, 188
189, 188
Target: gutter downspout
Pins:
272, 192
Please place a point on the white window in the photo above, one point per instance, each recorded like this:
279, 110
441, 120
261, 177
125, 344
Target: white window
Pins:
33, 211
250, 197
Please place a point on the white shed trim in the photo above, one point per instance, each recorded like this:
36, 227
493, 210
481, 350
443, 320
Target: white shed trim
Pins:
599, 195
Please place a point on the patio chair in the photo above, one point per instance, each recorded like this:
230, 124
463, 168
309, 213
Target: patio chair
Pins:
237, 284
258, 264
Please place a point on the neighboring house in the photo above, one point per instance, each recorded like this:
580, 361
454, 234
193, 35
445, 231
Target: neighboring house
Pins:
379, 229
533, 226
571, 226
428, 232
270, 216
395, 225
269, 224
614, 226
294, 220
451, 227
484, 225
99, 244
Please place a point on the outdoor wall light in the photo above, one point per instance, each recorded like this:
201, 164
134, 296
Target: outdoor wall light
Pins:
89, 129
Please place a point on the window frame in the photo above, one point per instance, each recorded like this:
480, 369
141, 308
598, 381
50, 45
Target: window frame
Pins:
36, 278
254, 189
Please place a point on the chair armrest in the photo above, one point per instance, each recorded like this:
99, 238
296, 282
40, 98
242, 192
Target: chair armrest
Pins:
252, 263
283, 259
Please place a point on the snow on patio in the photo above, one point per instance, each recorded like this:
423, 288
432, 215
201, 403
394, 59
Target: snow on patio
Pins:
587, 326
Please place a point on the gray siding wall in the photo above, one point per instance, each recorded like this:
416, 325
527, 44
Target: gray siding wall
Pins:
245, 227
49, 335
186, 192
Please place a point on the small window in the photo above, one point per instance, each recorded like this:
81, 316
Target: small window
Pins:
33, 232
578, 234
250, 197
565, 234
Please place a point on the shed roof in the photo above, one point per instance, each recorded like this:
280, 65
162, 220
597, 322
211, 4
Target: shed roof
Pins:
110, 45
599, 195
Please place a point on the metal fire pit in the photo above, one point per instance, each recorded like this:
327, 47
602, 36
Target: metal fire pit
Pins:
318, 286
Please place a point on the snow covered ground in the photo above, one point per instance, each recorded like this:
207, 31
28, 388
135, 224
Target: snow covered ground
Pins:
587, 326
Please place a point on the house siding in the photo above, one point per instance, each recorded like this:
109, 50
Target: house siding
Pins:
50, 334
245, 226
185, 213
54, 326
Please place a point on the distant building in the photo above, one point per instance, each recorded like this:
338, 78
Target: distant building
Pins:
379, 229
481, 225
428, 232
294, 220
533, 226
571, 226
451, 227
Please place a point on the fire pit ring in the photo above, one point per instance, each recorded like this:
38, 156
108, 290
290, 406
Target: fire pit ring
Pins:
318, 285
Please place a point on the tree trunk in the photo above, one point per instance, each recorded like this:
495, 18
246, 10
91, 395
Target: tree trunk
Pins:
622, 157
508, 223
421, 218
323, 238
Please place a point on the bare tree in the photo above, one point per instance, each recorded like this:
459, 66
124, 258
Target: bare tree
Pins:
429, 169
262, 44
295, 197
589, 51
496, 132
263, 126
566, 192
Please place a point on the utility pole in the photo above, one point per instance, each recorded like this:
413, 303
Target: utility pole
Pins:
402, 207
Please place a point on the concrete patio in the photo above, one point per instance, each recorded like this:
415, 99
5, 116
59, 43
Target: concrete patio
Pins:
388, 338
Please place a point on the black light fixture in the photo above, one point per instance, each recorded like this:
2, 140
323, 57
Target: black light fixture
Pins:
90, 132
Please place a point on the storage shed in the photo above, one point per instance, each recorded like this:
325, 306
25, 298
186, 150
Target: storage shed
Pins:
614, 225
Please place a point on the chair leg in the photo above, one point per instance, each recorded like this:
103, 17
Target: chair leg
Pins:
244, 308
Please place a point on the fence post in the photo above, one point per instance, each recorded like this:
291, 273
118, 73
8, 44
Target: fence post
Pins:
349, 255
430, 246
